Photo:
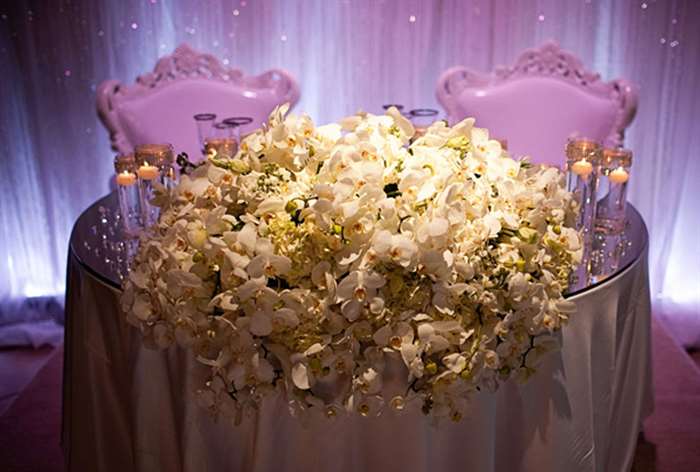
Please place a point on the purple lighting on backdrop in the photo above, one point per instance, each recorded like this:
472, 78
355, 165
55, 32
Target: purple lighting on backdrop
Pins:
346, 56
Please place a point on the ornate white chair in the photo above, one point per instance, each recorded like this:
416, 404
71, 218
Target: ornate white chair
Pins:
538, 103
160, 106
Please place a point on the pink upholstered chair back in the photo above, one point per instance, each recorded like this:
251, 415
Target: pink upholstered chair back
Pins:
160, 106
539, 102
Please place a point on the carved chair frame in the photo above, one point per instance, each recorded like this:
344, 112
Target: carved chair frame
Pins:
551, 61
183, 64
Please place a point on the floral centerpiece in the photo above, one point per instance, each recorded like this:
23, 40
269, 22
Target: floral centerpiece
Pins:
353, 268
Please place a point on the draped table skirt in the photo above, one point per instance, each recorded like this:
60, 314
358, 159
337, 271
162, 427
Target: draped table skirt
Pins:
127, 407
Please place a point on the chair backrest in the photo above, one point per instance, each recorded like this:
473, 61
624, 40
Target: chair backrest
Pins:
160, 106
538, 103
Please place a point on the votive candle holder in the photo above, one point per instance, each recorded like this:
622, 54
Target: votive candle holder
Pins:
612, 190
128, 193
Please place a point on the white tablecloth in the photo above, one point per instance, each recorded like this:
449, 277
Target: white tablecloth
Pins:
129, 408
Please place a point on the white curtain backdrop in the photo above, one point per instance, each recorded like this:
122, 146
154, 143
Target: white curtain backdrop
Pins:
347, 55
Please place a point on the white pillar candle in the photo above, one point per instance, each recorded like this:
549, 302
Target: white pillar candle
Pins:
619, 176
582, 168
148, 172
126, 178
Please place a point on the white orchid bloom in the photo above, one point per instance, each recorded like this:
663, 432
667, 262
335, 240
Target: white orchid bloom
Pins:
394, 337
269, 265
397, 248
255, 371
356, 290
483, 146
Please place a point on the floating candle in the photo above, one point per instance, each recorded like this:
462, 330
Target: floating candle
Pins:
148, 172
582, 168
126, 178
619, 176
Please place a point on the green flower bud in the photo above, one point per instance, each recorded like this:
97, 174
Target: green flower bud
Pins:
238, 166
528, 235
290, 207
431, 368
219, 162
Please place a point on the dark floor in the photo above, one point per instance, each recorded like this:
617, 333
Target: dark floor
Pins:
695, 355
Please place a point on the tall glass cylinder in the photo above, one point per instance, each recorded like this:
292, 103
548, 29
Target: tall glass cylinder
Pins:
166, 165
236, 124
128, 193
148, 176
582, 162
612, 190
205, 123
221, 144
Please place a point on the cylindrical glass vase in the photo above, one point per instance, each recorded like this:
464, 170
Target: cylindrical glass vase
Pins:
422, 118
161, 156
128, 193
236, 125
220, 148
169, 175
582, 163
205, 123
148, 172
398, 106
612, 191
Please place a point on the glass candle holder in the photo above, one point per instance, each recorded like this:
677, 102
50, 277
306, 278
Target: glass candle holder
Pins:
582, 162
148, 174
422, 118
220, 148
169, 175
128, 193
205, 123
236, 125
399, 107
612, 190
161, 156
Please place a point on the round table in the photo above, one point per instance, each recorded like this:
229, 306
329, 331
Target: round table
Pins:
126, 407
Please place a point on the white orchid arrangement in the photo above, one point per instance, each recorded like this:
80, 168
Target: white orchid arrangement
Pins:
353, 267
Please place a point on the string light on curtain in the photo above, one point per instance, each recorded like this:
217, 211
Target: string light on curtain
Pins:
347, 55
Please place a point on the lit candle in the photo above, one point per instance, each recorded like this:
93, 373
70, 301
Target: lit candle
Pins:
619, 176
148, 172
582, 168
126, 178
